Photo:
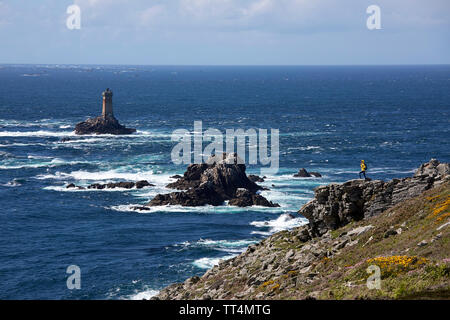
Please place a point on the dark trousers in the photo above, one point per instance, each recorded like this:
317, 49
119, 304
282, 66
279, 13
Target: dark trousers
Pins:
363, 173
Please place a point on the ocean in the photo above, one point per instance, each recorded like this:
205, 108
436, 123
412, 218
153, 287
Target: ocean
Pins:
329, 117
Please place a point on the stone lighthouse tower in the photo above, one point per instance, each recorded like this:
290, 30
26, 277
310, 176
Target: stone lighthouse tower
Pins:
104, 124
107, 111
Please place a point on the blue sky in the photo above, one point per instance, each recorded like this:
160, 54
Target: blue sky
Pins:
225, 32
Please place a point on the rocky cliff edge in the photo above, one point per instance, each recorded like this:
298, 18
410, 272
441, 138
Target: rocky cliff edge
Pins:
401, 226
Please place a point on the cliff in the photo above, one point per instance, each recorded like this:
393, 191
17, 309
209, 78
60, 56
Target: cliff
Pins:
401, 226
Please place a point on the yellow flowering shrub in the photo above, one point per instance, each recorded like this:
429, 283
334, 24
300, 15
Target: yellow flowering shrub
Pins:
433, 198
397, 264
276, 286
268, 283
441, 210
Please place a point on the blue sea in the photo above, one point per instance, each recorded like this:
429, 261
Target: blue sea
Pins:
330, 117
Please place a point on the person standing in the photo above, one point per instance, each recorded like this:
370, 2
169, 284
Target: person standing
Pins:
363, 169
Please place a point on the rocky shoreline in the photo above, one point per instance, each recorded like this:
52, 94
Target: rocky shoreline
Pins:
402, 221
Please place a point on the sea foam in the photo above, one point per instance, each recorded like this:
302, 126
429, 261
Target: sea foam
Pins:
283, 222
208, 263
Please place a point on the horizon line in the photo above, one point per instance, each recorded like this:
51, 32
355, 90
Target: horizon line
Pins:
227, 65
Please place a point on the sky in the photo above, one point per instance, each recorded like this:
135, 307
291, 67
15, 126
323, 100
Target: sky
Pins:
225, 32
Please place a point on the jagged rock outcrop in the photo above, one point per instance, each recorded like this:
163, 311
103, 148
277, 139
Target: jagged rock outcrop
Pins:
245, 198
212, 183
204, 194
335, 205
303, 173
102, 125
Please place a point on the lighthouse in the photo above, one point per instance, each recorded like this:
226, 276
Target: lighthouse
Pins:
107, 111
104, 124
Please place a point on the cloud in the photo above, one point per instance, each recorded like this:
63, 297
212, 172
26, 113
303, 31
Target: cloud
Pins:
205, 29
4, 13
275, 16
152, 15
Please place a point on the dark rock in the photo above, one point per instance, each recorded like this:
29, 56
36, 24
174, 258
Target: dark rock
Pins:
255, 178
102, 125
124, 185
315, 174
244, 198
177, 176
191, 178
141, 208
389, 233
143, 184
303, 173
69, 186
213, 183
113, 185
304, 234
194, 197
97, 186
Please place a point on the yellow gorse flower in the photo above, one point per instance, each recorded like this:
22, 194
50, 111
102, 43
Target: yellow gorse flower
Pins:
394, 264
441, 210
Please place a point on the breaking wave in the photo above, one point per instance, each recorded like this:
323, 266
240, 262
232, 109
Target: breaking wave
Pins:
208, 263
283, 222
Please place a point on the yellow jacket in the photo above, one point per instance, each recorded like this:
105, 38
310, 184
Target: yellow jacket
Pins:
363, 166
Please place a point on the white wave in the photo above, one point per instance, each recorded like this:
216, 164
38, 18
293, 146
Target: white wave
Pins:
208, 263
230, 246
293, 180
288, 195
129, 208
64, 189
51, 164
305, 148
262, 233
108, 175
38, 157
13, 183
283, 222
204, 209
226, 243
48, 123
143, 295
22, 145
40, 133
81, 141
